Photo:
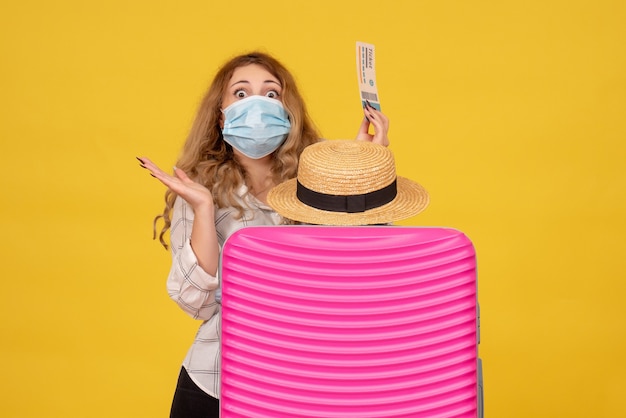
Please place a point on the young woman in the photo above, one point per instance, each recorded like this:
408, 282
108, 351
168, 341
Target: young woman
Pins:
248, 134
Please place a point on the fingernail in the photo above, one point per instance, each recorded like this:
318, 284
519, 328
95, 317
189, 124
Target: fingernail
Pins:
174, 168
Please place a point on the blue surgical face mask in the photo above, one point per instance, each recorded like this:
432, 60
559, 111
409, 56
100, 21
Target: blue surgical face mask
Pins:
256, 126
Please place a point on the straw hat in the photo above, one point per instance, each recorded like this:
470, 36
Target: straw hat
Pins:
347, 182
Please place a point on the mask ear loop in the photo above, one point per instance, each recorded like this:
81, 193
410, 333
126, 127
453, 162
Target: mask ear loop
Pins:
220, 122
229, 148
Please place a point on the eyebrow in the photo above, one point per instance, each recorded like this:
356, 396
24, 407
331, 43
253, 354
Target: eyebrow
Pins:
247, 82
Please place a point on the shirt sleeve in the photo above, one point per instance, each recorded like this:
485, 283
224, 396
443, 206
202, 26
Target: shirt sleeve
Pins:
188, 284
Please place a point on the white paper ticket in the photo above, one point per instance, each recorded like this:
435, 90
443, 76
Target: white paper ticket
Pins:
366, 70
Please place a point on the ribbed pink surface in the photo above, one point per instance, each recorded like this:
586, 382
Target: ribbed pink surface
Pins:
348, 322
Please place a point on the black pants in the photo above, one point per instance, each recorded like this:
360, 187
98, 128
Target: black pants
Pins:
192, 402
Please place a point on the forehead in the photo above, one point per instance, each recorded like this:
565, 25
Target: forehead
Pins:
252, 73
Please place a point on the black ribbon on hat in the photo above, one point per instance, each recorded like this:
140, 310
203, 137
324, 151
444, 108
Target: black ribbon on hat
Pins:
350, 203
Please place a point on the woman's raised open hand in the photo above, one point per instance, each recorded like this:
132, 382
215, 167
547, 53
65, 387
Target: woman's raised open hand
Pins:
195, 194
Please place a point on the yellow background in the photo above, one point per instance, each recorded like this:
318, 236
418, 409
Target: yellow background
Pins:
511, 114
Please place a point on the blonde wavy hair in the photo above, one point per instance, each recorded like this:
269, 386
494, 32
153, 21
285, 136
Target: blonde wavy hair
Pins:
209, 160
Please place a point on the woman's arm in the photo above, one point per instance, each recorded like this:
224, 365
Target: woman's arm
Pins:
381, 127
188, 283
204, 237
193, 238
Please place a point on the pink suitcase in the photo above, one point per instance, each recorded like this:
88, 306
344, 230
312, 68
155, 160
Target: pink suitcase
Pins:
368, 321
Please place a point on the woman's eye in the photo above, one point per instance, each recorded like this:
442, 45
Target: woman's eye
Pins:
272, 94
240, 94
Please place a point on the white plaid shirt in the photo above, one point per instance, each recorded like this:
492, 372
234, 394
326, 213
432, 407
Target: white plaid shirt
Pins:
194, 290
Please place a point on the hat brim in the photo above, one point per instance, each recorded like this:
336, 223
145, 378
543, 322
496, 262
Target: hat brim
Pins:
410, 200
